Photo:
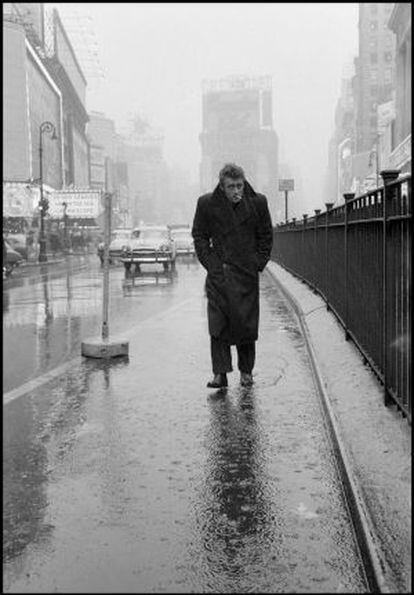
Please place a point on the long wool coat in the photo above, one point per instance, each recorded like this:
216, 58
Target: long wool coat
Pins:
233, 245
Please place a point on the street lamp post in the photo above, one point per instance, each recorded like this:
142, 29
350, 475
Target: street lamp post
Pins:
43, 203
65, 227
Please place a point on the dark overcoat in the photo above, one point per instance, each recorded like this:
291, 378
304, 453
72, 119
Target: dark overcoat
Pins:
233, 245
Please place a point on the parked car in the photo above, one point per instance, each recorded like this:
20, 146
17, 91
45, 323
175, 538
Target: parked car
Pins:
119, 239
18, 242
183, 239
150, 244
11, 258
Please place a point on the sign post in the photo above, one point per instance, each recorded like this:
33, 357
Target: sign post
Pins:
107, 235
284, 186
104, 348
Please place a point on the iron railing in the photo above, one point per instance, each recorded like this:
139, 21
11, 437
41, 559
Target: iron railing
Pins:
357, 256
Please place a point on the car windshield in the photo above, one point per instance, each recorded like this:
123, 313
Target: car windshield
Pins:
121, 235
154, 234
182, 233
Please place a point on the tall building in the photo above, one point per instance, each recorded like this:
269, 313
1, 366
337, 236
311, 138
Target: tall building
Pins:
30, 97
375, 78
400, 24
341, 144
238, 127
42, 82
61, 61
149, 197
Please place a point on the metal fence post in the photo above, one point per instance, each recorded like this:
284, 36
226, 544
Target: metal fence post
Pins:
388, 176
348, 196
315, 250
328, 206
304, 251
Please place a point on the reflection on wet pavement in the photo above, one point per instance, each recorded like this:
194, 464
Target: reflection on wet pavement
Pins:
131, 476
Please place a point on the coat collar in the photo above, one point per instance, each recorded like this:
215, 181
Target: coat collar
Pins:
224, 211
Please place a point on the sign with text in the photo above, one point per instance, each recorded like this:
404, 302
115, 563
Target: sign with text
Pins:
83, 204
286, 184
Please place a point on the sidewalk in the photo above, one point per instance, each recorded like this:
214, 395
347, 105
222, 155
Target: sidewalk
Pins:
377, 438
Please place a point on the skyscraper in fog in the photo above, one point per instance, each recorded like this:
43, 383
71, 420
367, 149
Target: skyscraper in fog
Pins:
375, 69
238, 127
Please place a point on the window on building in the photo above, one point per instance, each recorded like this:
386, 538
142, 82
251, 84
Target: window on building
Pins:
373, 44
373, 58
387, 43
374, 75
388, 75
373, 90
388, 56
388, 91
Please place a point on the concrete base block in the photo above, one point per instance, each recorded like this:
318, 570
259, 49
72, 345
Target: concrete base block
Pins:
104, 348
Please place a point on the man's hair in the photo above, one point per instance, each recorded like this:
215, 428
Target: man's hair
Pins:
231, 170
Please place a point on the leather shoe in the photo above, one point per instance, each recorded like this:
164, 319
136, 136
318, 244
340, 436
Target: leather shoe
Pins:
246, 379
218, 381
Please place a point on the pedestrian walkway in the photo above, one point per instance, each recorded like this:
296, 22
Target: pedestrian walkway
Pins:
377, 438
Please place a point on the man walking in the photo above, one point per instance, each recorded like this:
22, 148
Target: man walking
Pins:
233, 237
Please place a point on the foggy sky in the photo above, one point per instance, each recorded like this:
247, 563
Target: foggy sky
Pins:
156, 55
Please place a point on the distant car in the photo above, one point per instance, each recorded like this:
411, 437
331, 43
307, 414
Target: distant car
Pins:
150, 244
120, 239
11, 258
18, 242
183, 239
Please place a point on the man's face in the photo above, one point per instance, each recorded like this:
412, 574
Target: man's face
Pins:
233, 188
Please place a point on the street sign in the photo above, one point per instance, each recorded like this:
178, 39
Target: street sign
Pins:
286, 184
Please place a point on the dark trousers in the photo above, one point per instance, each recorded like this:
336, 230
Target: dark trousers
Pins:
221, 356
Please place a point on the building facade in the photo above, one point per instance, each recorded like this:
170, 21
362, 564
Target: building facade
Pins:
400, 24
61, 61
375, 76
237, 126
42, 82
30, 97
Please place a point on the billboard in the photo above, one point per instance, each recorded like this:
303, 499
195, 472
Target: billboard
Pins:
81, 203
233, 111
19, 199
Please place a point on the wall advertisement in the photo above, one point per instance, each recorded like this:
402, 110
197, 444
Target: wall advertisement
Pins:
19, 199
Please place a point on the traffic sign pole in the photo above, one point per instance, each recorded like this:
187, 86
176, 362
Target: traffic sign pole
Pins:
286, 205
105, 300
104, 347
284, 186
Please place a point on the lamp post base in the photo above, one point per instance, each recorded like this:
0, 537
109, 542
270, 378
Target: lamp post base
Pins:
42, 251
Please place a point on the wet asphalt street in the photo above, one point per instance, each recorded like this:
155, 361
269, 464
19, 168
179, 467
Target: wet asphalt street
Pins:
132, 476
